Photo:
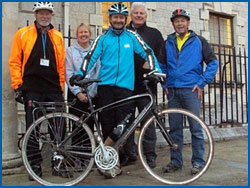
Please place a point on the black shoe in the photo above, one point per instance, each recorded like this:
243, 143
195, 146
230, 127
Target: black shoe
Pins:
151, 162
38, 170
196, 169
128, 161
170, 168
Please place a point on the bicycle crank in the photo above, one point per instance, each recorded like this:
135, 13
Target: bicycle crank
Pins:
106, 162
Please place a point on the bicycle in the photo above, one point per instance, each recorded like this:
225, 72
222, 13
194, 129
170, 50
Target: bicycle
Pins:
76, 159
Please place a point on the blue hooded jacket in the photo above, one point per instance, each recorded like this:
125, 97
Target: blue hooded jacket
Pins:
184, 69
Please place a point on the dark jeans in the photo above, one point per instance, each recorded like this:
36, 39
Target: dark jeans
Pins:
110, 118
33, 153
186, 99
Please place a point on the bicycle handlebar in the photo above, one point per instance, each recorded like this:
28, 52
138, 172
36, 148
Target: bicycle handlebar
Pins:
85, 82
155, 76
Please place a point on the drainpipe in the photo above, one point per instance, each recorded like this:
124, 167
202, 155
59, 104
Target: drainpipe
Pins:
66, 22
66, 41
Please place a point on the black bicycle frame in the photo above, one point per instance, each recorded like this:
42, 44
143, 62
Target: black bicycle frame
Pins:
121, 141
129, 130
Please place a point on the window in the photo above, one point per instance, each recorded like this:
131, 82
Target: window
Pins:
105, 7
220, 28
221, 39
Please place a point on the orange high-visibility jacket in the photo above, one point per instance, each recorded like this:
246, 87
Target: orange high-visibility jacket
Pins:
22, 45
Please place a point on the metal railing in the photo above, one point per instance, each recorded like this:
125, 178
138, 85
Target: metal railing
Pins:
225, 100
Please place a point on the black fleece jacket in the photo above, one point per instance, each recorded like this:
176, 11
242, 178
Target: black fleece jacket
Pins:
154, 39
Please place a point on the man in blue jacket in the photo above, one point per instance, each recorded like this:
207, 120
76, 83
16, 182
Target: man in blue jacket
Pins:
116, 49
185, 54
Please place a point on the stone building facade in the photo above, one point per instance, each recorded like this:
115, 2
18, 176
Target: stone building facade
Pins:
16, 15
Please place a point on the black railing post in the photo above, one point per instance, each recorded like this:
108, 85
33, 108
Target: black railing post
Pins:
236, 84
246, 86
203, 106
231, 84
209, 105
69, 36
221, 84
225, 83
215, 103
241, 89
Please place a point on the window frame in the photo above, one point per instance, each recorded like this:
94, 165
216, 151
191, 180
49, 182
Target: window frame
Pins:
218, 16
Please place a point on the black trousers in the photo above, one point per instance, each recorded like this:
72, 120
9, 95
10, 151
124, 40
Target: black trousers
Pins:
33, 153
149, 142
110, 118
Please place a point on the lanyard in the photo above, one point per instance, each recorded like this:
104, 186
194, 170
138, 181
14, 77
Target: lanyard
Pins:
44, 38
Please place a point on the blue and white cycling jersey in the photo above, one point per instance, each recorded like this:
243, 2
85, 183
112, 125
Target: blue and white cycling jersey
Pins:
116, 54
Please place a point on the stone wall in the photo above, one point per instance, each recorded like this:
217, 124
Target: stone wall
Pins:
158, 16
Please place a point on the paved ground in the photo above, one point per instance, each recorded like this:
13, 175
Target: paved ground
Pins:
229, 168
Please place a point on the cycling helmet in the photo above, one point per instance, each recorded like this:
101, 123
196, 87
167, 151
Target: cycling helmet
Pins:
118, 8
43, 6
180, 12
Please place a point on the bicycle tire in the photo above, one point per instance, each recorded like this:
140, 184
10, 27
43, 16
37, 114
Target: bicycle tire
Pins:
182, 176
58, 161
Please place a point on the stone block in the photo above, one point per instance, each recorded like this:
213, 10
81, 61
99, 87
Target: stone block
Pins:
226, 7
204, 14
206, 35
241, 40
26, 6
240, 21
151, 5
95, 19
217, 6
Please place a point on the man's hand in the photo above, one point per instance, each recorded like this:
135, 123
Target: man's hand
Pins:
146, 66
19, 95
166, 91
75, 78
200, 92
82, 97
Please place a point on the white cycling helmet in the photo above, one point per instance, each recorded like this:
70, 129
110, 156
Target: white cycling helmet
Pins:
43, 6
118, 8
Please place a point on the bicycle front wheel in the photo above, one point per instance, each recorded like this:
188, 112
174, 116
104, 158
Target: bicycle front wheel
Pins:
53, 154
195, 146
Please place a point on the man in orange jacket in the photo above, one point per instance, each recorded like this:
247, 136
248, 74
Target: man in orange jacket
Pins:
37, 67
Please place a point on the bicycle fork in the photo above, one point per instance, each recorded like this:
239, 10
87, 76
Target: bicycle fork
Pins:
106, 157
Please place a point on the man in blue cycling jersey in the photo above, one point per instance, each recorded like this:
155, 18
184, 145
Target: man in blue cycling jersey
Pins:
116, 48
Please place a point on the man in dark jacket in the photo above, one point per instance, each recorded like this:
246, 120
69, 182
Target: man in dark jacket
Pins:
154, 39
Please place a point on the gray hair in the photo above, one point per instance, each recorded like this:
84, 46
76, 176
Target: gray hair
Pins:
138, 4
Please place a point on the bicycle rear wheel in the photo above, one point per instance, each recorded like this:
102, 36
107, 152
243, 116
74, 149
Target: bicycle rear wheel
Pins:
54, 155
163, 151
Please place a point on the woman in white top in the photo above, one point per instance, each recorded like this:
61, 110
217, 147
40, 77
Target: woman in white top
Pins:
74, 58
